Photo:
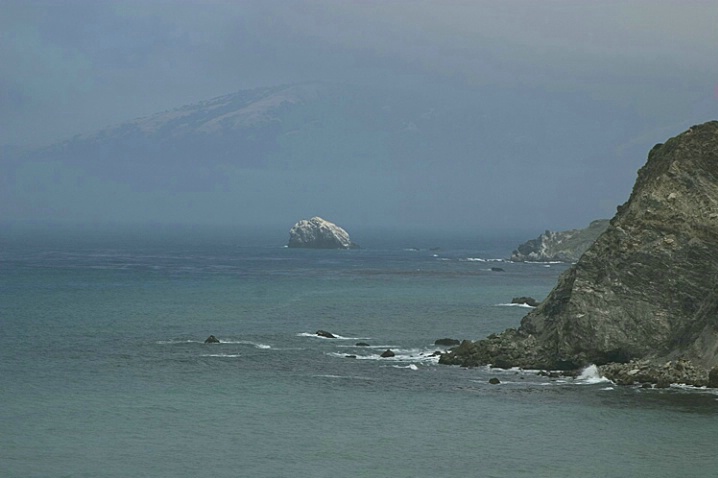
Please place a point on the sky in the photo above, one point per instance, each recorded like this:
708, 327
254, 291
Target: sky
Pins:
69, 67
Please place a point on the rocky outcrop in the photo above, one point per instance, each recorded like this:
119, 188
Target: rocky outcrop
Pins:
564, 246
644, 294
530, 301
447, 342
316, 233
211, 340
325, 334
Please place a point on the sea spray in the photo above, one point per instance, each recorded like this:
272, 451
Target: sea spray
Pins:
591, 375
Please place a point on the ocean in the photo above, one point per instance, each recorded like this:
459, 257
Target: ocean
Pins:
104, 371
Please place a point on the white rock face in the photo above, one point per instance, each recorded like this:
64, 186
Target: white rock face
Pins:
316, 233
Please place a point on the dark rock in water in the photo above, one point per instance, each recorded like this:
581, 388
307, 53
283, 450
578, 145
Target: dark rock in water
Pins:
497, 269
212, 340
316, 233
387, 353
494, 381
361, 344
324, 333
350, 356
644, 291
447, 342
525, 300
564, 246
437, 353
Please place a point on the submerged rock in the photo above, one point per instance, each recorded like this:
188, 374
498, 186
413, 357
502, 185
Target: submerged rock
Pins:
212, 340
645, 289
387, 353
563, 246
317, 233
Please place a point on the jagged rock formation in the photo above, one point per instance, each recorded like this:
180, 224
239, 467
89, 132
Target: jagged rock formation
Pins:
644, 292
316, 233
564, 246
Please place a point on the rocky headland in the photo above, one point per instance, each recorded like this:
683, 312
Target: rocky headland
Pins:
562, 246
641, 302
317, 233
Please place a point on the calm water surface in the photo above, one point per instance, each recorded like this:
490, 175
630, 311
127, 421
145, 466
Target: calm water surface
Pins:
105, 373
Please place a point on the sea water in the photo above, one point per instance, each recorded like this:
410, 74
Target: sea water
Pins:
104, 371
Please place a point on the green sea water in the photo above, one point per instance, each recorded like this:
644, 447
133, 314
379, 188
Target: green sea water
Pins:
103, 369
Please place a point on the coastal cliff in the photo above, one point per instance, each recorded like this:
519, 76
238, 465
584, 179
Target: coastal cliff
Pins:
563, 246
642, 299
317, 233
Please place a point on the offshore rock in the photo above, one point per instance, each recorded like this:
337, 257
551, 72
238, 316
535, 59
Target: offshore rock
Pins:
316, 233
564, 246
211, 340
325, 334
644, 291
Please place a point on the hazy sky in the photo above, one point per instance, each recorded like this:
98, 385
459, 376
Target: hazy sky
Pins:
68, 67
73, 66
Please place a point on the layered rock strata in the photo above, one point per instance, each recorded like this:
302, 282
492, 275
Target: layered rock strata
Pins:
645, 293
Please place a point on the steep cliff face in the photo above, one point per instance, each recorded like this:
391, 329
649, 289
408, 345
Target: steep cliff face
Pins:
317, 233
564, 246
647, 289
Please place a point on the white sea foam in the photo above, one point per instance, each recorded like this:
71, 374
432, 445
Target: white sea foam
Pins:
175, 342
246, 342
221, 355
411, 355
336, 336
411, 366
526, 306
591, 375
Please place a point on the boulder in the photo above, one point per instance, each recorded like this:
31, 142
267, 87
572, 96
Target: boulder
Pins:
497, 269
713, 377
325, 334
494, 381
317, 233
387, 353
212, 340
361, 344
643, 291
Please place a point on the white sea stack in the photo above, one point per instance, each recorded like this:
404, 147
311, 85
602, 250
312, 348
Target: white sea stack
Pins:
317, 233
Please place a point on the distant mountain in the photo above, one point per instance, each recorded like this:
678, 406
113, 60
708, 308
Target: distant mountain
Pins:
361, 154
